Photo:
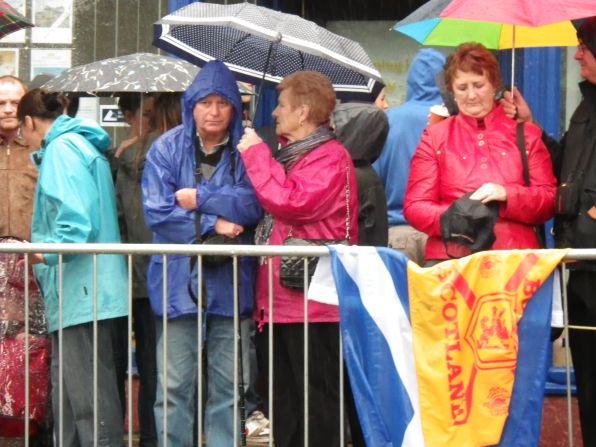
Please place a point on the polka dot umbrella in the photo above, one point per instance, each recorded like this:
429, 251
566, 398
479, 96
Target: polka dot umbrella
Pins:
262, 45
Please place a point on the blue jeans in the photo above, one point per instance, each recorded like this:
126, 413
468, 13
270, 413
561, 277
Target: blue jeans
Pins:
77, 408
182, 357
219, 410
182, 379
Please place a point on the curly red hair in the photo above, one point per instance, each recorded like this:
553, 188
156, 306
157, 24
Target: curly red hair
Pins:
473, 58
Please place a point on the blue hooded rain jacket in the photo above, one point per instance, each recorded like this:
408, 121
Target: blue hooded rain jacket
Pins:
75, 203
170, 166
406, 124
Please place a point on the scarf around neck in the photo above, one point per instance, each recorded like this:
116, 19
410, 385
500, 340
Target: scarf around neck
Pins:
290, 154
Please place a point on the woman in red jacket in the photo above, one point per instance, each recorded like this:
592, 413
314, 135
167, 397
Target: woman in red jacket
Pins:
476, 150
308, 189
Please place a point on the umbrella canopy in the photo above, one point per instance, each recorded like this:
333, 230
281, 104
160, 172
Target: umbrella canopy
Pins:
138, 72
10, 20
499, 25
520, 12
259, 43
429, 25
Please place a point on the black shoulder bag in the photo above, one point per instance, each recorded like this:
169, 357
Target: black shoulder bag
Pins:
291, 268
521, 145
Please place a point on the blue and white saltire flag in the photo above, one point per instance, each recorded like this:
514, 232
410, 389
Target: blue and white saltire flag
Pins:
377, 349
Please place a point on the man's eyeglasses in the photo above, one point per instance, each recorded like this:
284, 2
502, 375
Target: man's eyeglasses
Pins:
582, 48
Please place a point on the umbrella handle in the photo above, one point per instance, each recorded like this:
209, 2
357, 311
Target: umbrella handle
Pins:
273, 43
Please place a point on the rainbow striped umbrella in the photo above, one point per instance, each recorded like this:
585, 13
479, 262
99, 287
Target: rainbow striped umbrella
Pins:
496, 25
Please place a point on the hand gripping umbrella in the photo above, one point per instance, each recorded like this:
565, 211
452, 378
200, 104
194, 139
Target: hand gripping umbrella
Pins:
262, 45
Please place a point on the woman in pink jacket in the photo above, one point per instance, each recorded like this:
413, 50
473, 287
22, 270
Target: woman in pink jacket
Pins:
308, 189
476, 150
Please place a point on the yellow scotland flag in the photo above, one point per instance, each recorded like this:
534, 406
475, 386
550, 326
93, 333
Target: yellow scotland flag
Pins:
464, 315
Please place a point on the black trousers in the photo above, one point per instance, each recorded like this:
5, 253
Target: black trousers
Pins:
143, 325
581, 293
323, 384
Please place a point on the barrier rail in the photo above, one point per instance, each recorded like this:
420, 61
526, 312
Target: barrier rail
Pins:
165, 250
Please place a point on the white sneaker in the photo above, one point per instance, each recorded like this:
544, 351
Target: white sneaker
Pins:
257, 428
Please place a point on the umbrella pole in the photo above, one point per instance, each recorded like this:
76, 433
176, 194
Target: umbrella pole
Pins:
512, 60
256, 109
141, 119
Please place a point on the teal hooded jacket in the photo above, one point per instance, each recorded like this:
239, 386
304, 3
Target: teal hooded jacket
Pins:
75, 203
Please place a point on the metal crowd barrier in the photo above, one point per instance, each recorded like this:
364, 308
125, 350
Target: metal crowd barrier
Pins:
130, 250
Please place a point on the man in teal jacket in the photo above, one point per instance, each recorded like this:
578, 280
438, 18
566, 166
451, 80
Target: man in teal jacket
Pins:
75, 203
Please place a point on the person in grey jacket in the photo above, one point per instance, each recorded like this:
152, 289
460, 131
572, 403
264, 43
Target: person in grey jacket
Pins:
129, 160
362, 129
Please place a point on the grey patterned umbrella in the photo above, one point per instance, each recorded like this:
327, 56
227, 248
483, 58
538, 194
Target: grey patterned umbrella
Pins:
256, 42
138, 72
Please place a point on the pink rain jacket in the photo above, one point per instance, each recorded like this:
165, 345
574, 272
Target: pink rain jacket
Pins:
310, 199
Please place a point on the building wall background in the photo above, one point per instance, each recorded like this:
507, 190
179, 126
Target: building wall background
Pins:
74, 32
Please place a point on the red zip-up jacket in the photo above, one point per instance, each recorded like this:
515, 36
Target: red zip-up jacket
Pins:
462, 153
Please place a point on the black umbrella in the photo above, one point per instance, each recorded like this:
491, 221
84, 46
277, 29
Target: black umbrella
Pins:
260, 44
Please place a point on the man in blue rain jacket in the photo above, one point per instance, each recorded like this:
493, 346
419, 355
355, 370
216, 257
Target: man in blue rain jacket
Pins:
406, 124
220, 196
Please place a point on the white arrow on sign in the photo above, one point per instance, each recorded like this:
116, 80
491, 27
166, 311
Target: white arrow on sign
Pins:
111, 116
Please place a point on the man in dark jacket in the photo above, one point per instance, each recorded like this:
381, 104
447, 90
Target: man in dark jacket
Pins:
575, 159
194, 186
